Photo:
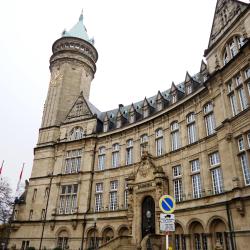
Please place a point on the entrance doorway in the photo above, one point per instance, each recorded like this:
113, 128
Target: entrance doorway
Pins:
148, 216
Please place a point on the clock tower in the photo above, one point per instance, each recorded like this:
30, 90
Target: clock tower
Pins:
72, 66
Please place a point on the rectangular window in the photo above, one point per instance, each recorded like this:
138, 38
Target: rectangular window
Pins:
245, 168
196, 184
233, 103
230, 87
217, 180
126, 195
238, 80
99, 197
210, 124
177, 171
241, 143
243, 99
129, 152
248, 139
113, 200
159, 105
73, 161
68, 199
195, 166
178, 190
189, 89
214, 159
174, 98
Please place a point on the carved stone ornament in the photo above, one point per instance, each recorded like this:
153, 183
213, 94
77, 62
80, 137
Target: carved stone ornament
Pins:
55, 77
143, 170
52, 225
74, 224
145, 164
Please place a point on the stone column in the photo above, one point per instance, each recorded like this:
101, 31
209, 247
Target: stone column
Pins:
188, 241
209, 241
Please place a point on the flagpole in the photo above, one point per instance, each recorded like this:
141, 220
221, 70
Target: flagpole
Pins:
19, 181
1, 169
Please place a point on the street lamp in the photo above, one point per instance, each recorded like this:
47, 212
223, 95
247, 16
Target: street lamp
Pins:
149, 215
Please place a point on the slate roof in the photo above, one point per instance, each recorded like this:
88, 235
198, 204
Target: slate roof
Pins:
112, 114
79, 31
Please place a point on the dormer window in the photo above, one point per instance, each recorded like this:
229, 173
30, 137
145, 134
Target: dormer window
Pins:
132, 117
174, 98
189, 89
105, 126
159, 105
145, 112
118, 123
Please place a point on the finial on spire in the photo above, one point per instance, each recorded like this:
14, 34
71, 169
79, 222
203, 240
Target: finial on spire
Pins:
81, 16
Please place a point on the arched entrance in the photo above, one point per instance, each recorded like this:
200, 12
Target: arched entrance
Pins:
148, 216
219, 235
198, 237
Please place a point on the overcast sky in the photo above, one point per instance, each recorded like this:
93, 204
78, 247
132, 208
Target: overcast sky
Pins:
143, 46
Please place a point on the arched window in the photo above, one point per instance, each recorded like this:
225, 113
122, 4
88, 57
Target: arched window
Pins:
209, 118
108, 234
62, 241
175, 135
132, 117
232, 48
144, 143
129, 152
101, 158
191, 128
76, 133
115, 155
159, 142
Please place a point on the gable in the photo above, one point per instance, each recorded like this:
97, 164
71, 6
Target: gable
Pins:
79, 111
226, 12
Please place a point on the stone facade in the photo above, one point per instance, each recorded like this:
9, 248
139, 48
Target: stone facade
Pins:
95, 174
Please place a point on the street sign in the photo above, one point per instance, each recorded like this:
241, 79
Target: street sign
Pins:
167, 222
167, 204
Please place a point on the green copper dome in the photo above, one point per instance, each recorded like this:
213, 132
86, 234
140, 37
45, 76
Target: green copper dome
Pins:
79, 31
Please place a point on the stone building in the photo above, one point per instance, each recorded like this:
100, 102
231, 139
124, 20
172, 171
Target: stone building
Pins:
97, 174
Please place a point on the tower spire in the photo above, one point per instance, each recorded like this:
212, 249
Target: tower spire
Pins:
81, 16
79, 31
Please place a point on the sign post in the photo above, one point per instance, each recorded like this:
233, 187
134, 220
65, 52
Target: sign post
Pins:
167, 220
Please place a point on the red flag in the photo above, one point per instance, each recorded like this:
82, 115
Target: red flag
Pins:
1, 169
20, 177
